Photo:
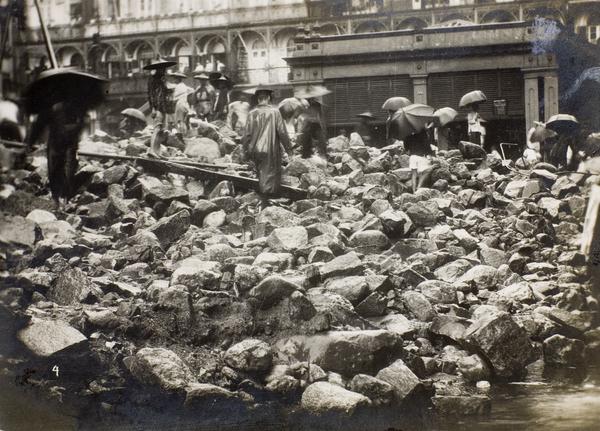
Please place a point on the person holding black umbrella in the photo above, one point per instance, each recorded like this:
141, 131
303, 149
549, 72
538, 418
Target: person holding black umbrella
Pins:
161, 103
61, 98
265, 133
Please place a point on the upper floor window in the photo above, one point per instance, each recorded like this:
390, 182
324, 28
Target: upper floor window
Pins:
259, 48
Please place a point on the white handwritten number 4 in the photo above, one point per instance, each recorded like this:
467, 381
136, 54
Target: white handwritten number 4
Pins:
55, 369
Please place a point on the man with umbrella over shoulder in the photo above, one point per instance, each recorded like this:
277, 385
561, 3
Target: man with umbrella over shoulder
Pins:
412, 123
61, 98
392, 105
161, 102
265, 133
312, 121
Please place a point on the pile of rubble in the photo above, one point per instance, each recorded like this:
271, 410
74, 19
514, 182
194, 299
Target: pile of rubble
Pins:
161, 300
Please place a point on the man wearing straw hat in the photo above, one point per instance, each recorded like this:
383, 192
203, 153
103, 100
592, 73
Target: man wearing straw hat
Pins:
265, 132
182, 107
160, 102
205, 98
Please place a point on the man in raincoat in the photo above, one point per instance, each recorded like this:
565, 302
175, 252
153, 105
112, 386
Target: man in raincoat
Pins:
265, 132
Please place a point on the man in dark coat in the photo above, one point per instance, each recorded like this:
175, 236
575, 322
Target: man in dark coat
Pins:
61, 109
265, 133
161, 103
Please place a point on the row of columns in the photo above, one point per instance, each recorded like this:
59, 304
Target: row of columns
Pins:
534, 103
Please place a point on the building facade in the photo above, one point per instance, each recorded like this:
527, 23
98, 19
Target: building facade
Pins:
251, 39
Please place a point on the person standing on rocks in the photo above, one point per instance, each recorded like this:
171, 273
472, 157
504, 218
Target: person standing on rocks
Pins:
61, 98
238, 114
205, 98
161, 103
313, 127
419, 147
265, 133
182, 107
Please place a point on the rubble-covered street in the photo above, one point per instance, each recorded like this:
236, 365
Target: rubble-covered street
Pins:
162, 301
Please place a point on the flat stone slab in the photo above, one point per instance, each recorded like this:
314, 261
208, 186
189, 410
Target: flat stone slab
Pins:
47, 337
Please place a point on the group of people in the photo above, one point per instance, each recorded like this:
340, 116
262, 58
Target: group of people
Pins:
176, 103
264, 130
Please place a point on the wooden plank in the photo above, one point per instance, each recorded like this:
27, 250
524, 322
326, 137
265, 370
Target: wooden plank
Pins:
163, 167
190, 169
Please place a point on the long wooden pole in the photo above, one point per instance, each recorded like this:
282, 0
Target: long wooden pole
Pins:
47, 41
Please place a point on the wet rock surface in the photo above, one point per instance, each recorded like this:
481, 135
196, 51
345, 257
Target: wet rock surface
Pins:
363, 300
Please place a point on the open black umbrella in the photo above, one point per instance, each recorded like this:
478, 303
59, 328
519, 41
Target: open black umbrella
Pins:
63, 84
160, 63
563, 123
412, 119
216, 79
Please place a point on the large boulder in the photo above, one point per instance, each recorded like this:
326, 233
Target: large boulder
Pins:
325, 398
250, 356
170, 229
353, 288
499, 339
347, 264
403, 381
560, 351
347, 352
155, 191
438, 292
288, 239
271, 290
203, 148
19, 230
72, 286
159, 367
407, 247
44, 337
376, 390
195, 277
